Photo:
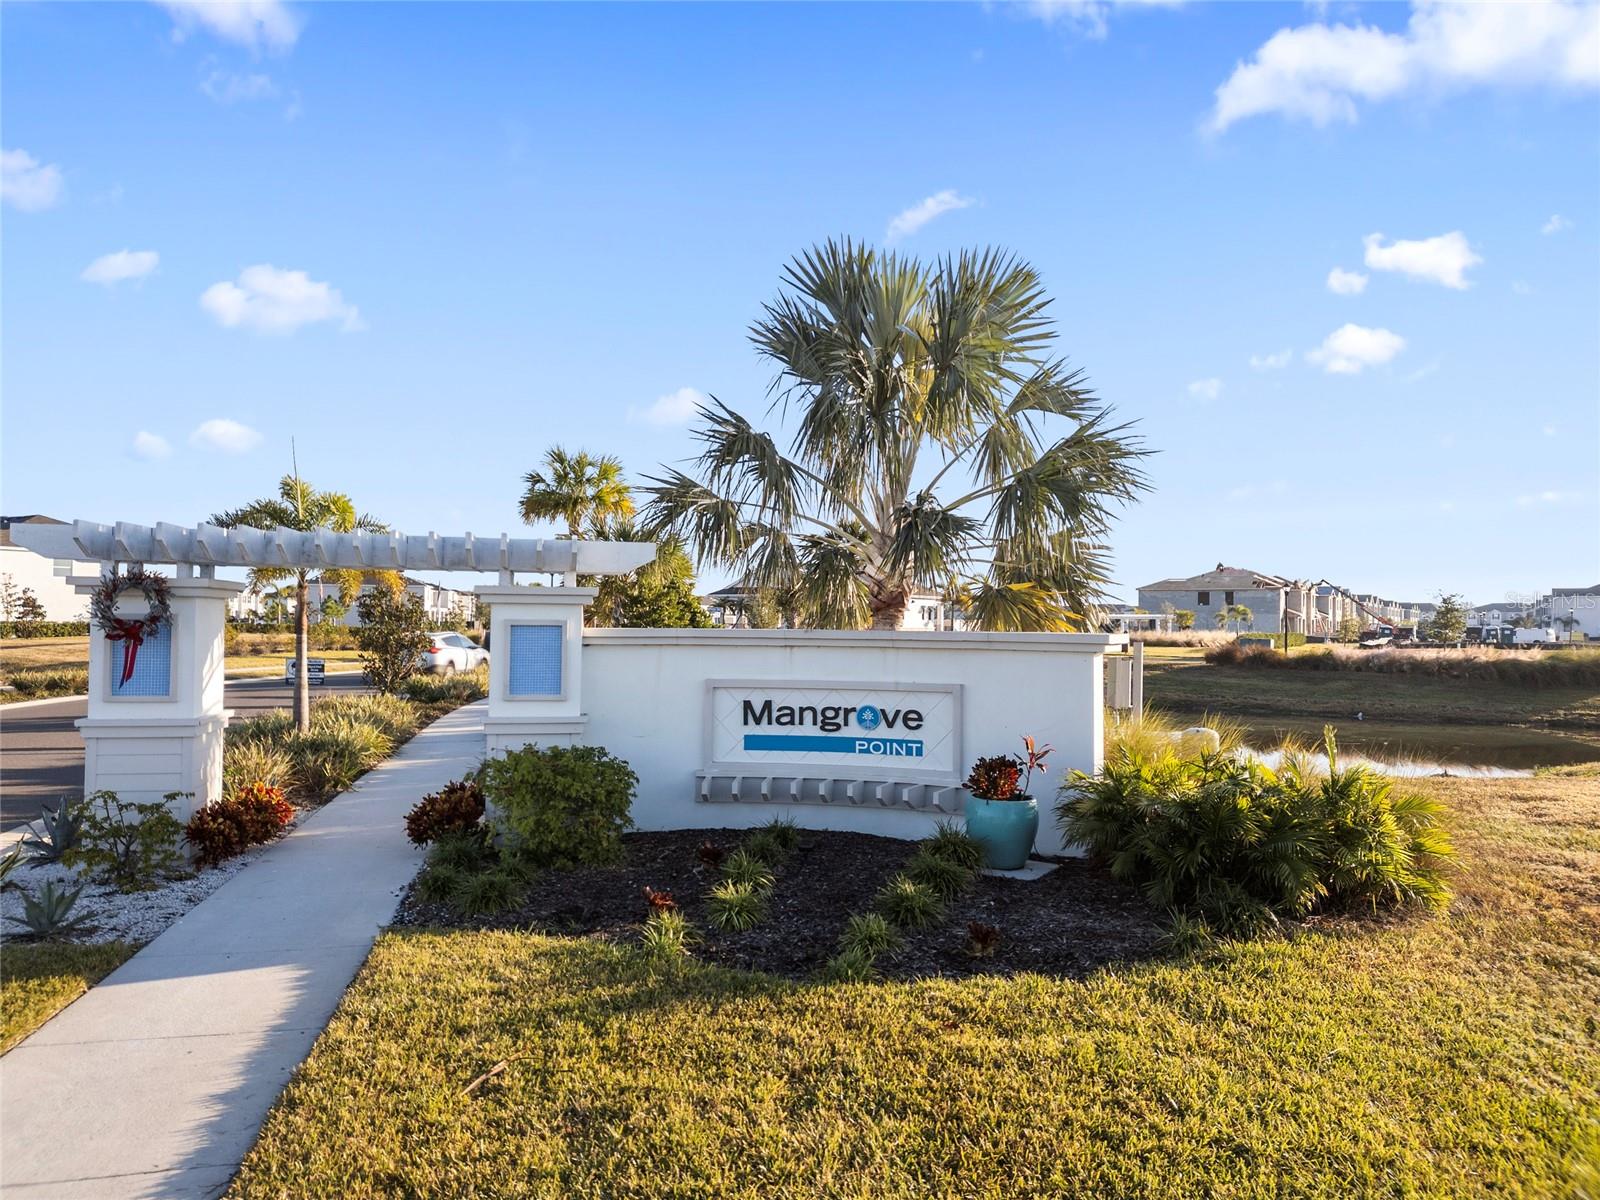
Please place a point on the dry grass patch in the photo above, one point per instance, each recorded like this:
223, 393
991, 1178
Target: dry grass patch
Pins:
38, 980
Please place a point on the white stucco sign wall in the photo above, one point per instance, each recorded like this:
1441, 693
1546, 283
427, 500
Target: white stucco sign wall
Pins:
817, 726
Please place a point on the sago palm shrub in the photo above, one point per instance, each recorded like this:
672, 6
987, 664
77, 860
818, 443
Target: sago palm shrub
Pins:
1228, 839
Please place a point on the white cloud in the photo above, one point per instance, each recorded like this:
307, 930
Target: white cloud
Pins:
1271, 362
1351, 348
253, 24
26, 183
1320, 72
1550, 497
918, 215
225, 436
675, 408
150, 445
1346, 283
1556, 224
1088, 17
270, 300
113, 268
1205, 390
225, 87
1444, 259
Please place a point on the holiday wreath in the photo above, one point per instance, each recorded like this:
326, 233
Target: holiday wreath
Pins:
130, 631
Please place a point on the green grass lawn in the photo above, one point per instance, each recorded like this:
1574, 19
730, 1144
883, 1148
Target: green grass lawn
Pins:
1193, 685
1419, 1057
38, 980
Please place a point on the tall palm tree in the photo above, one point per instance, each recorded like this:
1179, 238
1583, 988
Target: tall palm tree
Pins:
938, 445
300, 506
578, 489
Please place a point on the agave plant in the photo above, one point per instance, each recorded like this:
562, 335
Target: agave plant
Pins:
59, 830
49, 912
939, 443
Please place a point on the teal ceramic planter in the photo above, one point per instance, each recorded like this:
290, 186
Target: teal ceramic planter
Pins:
1006, 829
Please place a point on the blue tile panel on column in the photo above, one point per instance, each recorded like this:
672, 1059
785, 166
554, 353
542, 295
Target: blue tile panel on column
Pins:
152, 670
536, 659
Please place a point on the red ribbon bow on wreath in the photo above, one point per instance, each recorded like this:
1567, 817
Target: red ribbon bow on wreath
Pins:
131, 635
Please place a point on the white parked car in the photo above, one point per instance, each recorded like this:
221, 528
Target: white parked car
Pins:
451, 652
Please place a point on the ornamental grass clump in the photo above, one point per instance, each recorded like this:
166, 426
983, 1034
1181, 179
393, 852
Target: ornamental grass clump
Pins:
909, 904
955, 845
735, 907
483, 892
1231, 841
868, 933
666, 939
773, 842
944, 878
744, 868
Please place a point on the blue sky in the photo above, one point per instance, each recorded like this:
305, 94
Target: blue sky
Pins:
428, 241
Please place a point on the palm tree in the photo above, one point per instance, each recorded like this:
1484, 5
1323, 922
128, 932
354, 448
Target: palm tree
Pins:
300, 506
577, 489
910, 383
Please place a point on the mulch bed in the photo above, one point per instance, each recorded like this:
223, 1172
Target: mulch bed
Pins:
1069, 923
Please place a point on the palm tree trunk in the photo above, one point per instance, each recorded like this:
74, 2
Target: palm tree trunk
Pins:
888, 604
302, 630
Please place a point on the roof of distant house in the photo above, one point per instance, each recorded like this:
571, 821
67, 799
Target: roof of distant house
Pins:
1222, 577
1577, 591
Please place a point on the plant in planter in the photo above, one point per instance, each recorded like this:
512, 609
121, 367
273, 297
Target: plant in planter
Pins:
1001, 814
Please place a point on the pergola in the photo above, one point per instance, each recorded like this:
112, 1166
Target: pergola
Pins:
160, 730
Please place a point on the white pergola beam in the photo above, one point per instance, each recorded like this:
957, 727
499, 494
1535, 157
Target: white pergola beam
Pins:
247, 547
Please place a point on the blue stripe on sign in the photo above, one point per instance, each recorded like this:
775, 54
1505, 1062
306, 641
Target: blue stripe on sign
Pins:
815, 744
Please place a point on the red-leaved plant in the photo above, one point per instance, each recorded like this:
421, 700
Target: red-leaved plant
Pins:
1006, 777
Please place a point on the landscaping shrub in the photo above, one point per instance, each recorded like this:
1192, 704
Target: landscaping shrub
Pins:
1530, 668
869, 934
440, 882
132, 846
666, 938
850, 966
773, 842
1240, 845
462, 851
48, 912
328, 760
392, 636
909, 904
273, 728
486, 892
955, 845
391, 716
561, 805
43, 629
42, 682
981, 939
248, 762
255, 814
435, 689
743, 867
944, 878
58, 830
736, 906
455, 808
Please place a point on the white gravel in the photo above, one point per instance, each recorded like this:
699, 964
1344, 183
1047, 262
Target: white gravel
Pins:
108, 915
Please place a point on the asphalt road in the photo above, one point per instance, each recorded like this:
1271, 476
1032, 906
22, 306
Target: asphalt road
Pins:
41, 753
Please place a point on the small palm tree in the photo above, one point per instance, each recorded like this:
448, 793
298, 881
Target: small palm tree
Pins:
939, 444
577, 490
300, 506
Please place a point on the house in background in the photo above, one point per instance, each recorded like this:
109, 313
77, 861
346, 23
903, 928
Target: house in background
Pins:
926, 611
444, 606
1275, 604
1575, 612
46, 578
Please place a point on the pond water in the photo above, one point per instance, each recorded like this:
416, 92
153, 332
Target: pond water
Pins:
1427, 749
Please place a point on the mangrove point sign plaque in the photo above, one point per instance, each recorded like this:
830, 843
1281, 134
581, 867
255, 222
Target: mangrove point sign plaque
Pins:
866, 730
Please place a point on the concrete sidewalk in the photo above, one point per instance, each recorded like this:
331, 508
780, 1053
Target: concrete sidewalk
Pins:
156, 1082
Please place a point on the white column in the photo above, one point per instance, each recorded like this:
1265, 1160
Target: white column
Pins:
161, 732
535, 666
